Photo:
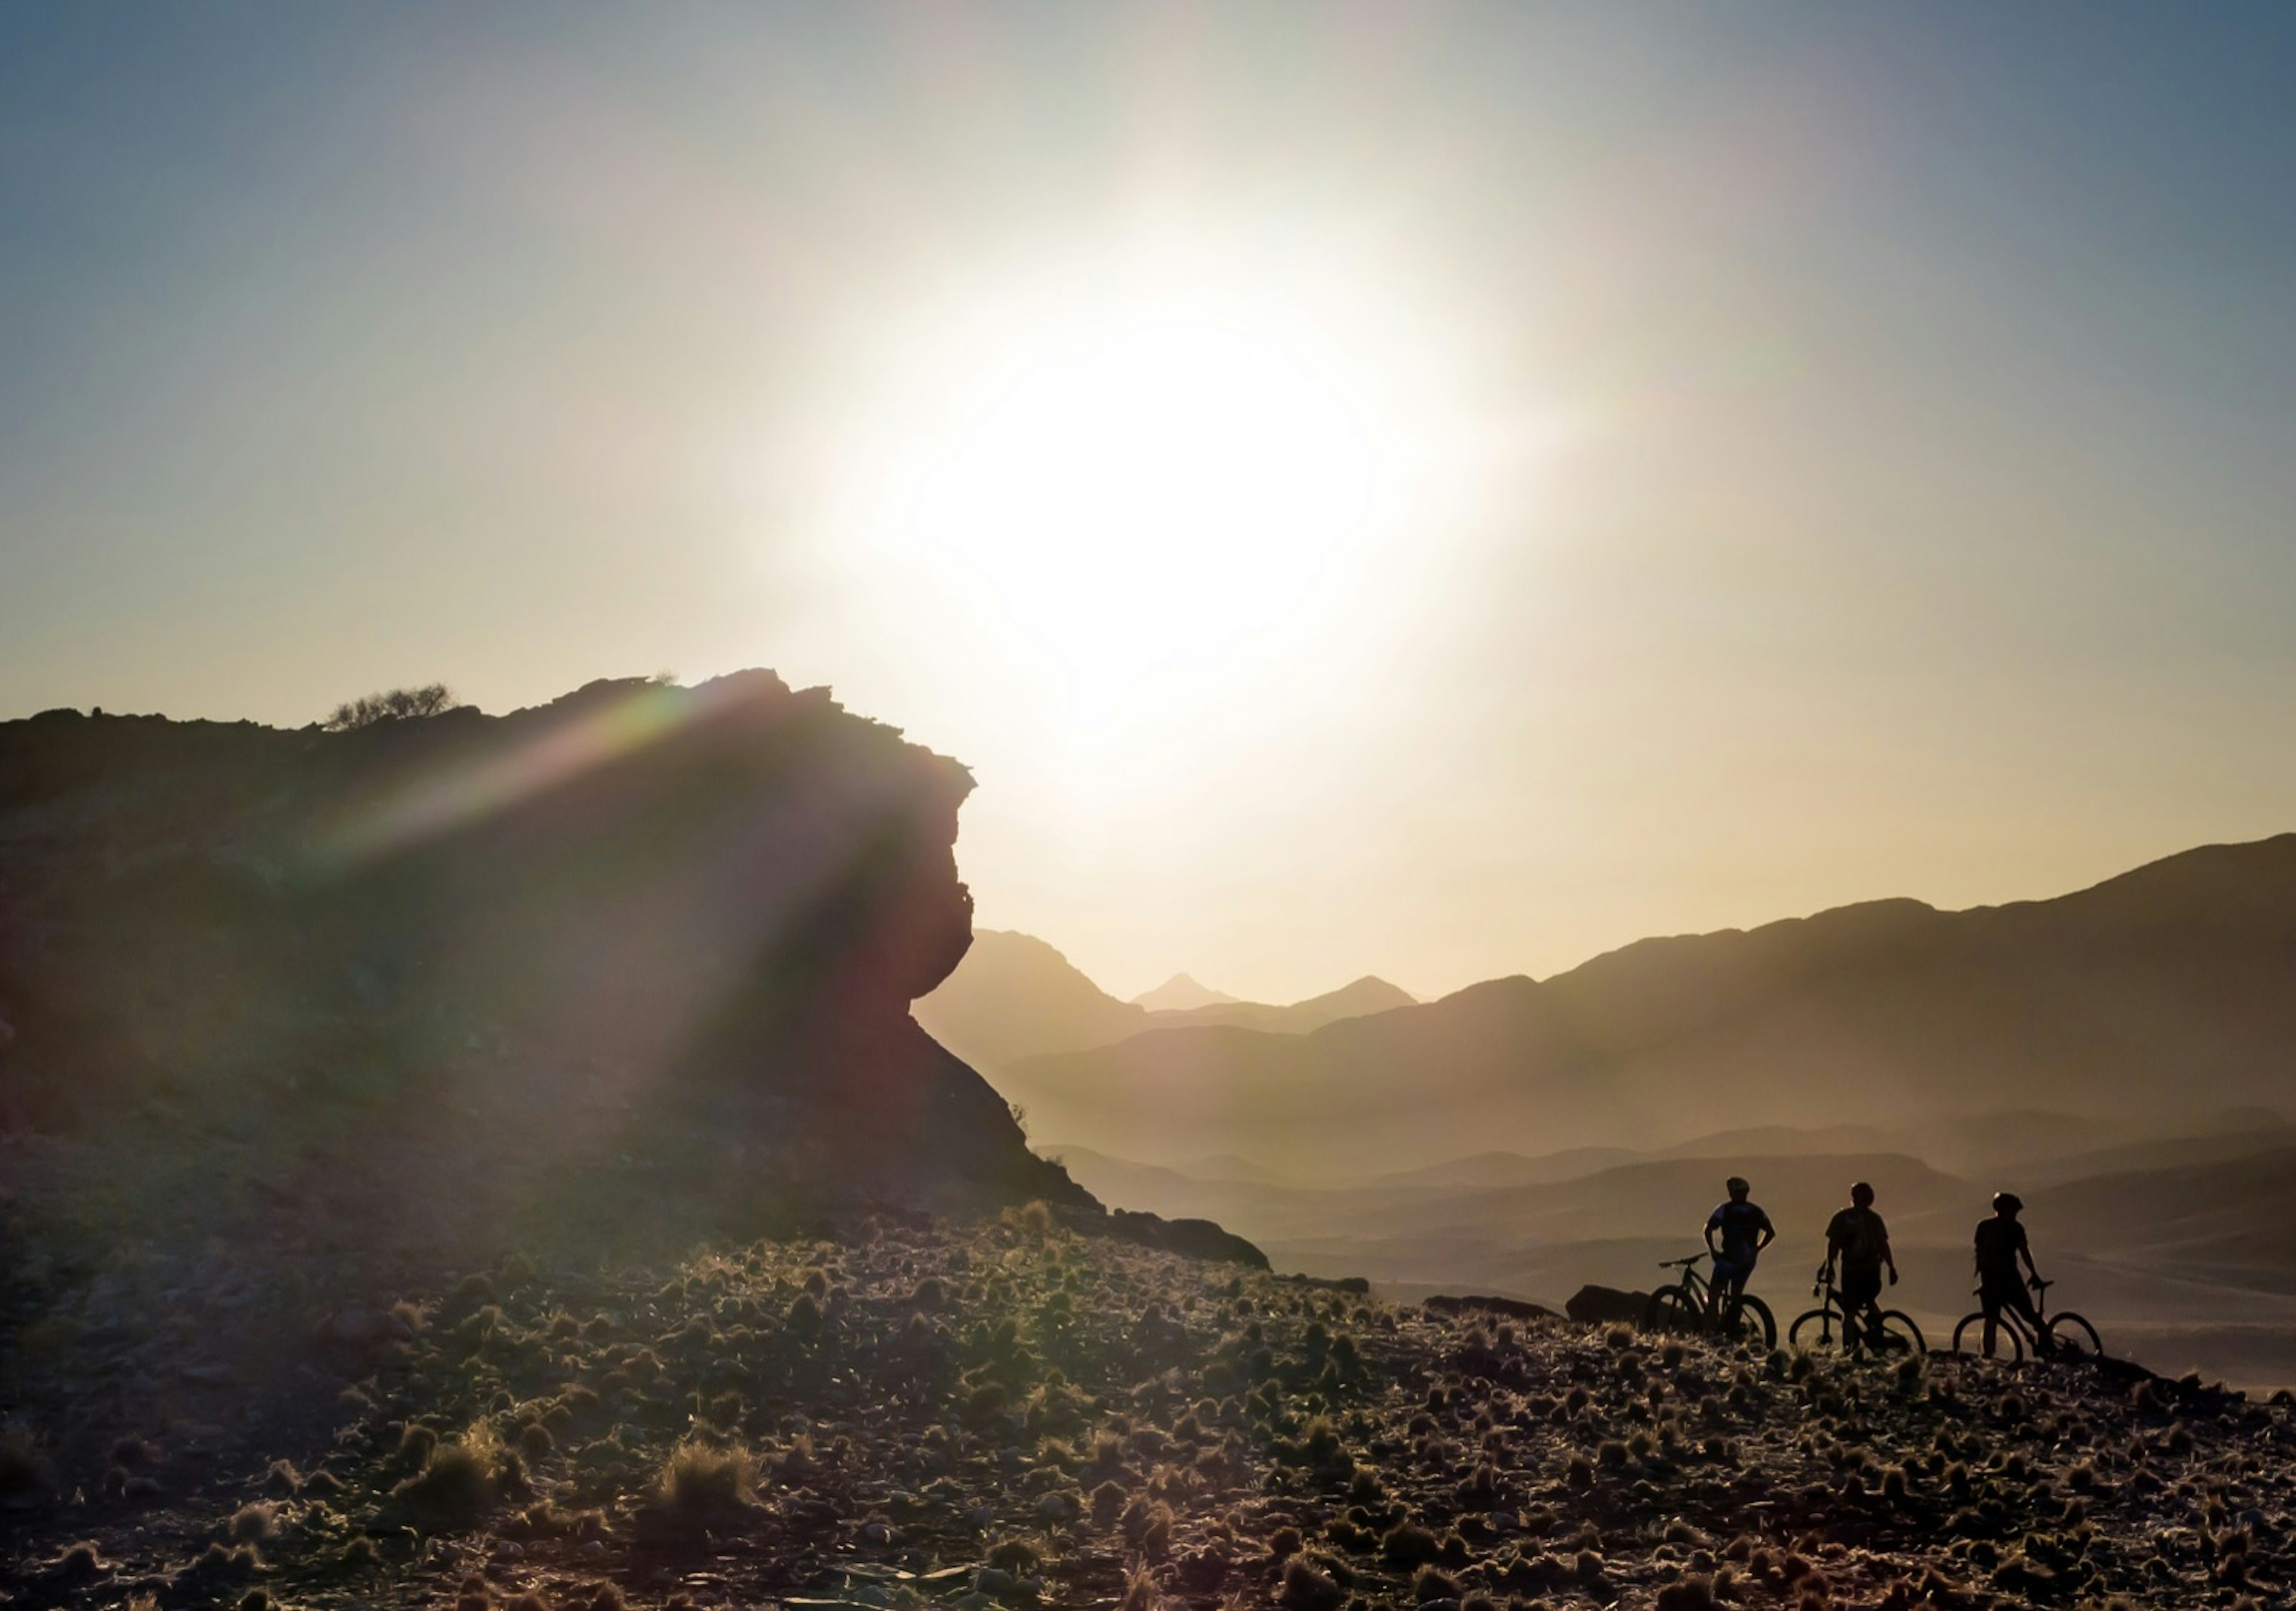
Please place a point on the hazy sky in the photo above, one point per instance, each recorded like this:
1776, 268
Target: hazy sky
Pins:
1437, 491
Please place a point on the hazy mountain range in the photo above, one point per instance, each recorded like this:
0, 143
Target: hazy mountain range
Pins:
2182, 1249
2124, 1057
1013, 996
2141, 1005
1180, 994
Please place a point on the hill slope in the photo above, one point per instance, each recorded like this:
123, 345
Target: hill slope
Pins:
2169, 990
1004, 1412
1013, 996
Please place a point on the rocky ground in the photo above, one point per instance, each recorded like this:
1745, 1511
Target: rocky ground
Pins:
1009, 1413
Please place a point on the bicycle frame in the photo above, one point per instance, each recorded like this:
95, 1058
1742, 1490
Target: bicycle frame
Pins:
1705, 1306
1830, 1305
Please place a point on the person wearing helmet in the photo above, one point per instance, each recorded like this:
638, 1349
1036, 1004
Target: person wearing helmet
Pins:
1736, 1232
2000, 1244
1859, 1241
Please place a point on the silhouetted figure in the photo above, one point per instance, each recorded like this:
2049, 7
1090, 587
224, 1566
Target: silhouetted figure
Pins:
1736, 1232
1857, 1239
2000, 1244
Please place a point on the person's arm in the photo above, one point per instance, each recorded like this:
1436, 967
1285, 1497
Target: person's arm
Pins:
1713, 1224
2025, 1251
1888, 1257
1767, 1234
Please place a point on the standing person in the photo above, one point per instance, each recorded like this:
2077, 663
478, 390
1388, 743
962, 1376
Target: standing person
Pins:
1856, 1237
2000, 1244
1744, 1231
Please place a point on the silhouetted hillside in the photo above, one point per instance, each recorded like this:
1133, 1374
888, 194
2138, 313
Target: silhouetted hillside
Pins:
2166, 991
2230, 1220
1014, 996
641, 904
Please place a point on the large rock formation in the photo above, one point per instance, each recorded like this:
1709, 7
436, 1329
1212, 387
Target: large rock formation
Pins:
641, 900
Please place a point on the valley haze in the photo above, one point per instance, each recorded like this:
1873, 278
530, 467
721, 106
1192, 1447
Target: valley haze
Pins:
2120, 1055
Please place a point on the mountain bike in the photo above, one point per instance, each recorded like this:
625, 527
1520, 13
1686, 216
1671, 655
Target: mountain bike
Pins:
1688, 1306
2061, 1336
1828, 1327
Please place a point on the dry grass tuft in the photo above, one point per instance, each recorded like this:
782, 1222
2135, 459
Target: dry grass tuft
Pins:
460, 1482
252, 1524
1308, 1588
707, 1479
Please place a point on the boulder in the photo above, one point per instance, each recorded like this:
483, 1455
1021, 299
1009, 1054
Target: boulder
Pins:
1593, 1306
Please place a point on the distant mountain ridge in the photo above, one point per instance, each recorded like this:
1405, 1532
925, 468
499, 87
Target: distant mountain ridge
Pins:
2167, 989
1014, 996
1180, 994
1359, 998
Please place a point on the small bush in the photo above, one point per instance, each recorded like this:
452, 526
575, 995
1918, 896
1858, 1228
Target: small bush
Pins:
1409, 1544
459, 1482
1308, 1588
1691, 1594
393, 705
1430, 1584
80, 1562
1016, 1556
702, 1479
252, 1524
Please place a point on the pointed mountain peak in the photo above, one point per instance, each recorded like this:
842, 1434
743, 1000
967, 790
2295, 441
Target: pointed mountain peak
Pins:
1180, 994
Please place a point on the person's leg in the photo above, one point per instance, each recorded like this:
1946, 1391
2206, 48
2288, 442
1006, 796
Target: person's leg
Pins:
1989, 1300
2014, 1297
1861, 1310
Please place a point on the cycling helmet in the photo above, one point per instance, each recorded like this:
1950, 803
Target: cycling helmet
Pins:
1736, 1184
1861, 1194
2007, 1202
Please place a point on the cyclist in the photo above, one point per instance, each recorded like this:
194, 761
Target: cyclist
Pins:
1858, 1239
1744, 1231
2000, 1244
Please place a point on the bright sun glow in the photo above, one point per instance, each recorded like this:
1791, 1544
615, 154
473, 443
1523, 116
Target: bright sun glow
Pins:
1157, 480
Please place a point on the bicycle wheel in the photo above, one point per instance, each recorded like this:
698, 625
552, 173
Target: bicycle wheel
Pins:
2072, 1338
1899, 1334
1672, 1309
1969, 1339
1751, 1321
1816, 1329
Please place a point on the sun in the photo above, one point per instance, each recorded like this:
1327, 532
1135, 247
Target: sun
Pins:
1154, 476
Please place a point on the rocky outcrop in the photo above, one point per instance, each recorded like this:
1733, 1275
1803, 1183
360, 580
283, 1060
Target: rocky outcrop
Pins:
715, 903
1196, 1239
1593, 1306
